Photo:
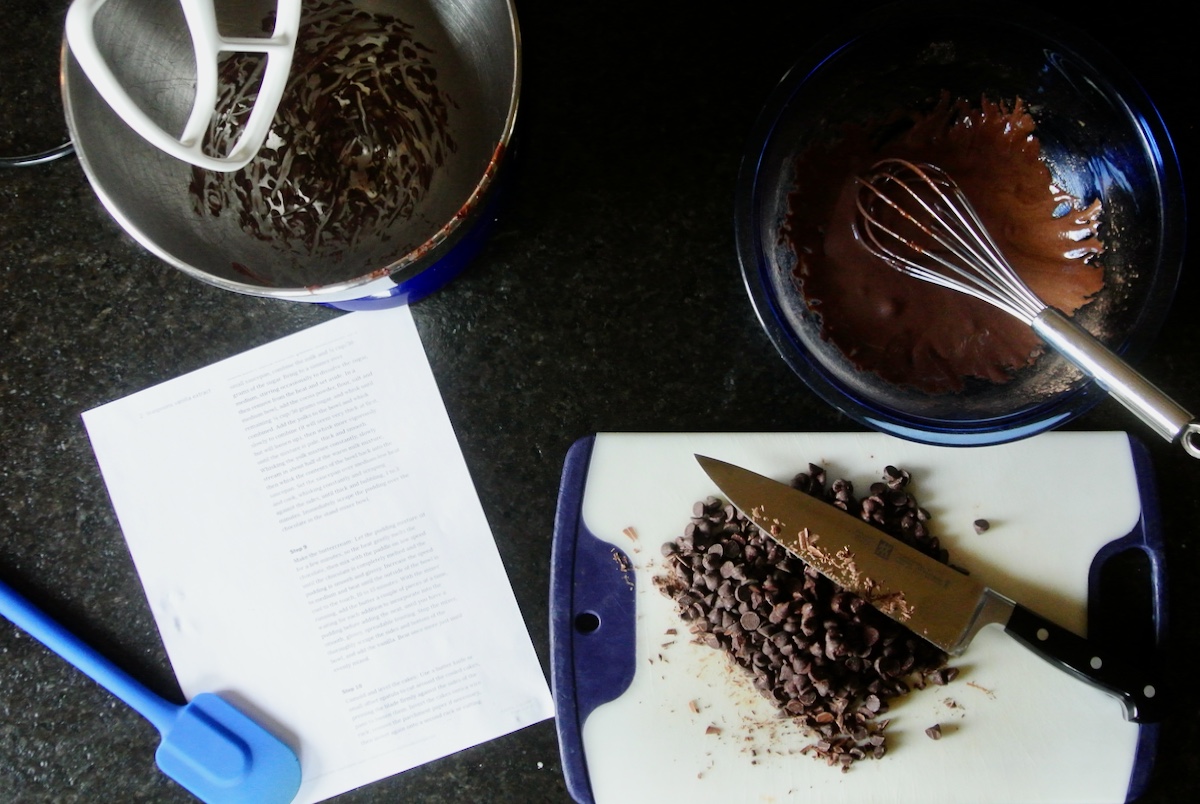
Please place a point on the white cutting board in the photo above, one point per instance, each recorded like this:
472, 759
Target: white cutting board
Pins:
1015, 728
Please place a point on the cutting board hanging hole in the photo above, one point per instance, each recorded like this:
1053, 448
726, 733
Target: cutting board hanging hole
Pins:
587, 622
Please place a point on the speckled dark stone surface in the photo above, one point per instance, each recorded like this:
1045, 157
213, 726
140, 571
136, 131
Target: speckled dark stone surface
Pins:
609, 299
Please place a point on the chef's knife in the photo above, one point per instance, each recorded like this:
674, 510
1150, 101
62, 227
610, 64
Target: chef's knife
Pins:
934, 600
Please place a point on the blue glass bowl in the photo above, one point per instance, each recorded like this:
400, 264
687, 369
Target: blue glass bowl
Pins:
1100, 136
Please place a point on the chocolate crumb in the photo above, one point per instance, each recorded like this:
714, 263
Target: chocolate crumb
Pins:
934, 732
943, 675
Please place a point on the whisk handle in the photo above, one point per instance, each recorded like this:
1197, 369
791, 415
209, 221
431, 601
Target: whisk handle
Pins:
1114, 375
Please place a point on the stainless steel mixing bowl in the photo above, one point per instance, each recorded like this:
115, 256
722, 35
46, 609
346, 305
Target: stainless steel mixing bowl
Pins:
472, 45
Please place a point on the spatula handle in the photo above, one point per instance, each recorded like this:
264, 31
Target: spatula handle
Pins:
54, 636
1135, 685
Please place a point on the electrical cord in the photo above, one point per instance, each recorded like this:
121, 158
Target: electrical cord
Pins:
37, 159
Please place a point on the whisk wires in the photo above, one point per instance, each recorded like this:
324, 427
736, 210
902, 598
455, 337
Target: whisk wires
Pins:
917, 219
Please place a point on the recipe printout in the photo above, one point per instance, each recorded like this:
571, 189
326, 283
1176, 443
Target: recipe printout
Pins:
312, 547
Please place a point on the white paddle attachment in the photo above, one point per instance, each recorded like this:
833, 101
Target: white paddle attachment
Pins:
209, 44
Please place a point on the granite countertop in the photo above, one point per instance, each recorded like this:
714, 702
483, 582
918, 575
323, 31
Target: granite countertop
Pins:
608, 299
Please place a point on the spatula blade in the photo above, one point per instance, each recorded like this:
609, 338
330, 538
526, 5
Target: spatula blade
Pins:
222, 756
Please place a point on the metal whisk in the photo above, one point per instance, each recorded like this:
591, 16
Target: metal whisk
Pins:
917, 219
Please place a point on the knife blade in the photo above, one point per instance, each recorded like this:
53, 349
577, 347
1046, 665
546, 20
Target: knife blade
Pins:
934, 600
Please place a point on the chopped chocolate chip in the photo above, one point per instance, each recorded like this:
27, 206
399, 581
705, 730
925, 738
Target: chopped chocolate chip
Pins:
943, 675
981, 525
934, 732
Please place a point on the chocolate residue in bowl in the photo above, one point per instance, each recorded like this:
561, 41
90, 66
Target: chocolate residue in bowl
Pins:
357, 139
909, 332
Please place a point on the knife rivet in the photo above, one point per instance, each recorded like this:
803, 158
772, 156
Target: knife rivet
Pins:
1043, 634
1096, 662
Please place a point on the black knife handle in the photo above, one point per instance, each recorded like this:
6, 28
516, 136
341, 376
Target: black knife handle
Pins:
1137, 687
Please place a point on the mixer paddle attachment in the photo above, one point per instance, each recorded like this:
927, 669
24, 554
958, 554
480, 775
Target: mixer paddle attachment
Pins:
209, 45
917, 219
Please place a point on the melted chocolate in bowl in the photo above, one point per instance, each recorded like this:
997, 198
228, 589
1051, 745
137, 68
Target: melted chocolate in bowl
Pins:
909, 332
963, 90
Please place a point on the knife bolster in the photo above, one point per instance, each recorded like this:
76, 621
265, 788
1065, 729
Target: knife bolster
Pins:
993, 608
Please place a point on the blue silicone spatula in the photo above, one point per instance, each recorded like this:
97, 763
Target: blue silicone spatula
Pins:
208, 745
